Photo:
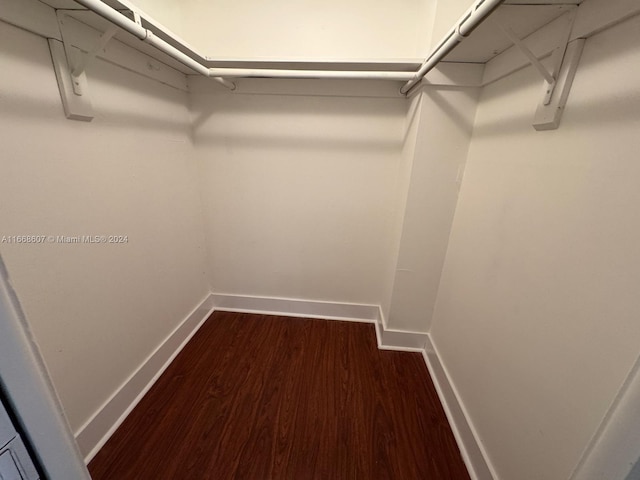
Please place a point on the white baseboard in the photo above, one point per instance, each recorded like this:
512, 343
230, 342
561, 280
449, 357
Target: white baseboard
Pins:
99, 428
471, 448
291, 307
399, 340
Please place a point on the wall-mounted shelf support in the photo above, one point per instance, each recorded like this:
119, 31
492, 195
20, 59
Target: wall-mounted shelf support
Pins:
70, 64
537, 64
548, 115
563, 62
76, 107
137, 18
88, 57
135, 28
549, 76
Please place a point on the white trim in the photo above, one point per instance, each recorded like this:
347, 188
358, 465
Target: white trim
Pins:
292, 307
614, 450
104, 422
471, 448
388, 339
398, 340
27, 384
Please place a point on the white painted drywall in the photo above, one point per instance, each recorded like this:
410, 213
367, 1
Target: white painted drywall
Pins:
426, 17
315, 29
97, 311
537, 314
438, 133
298, 192
613, 451
169, 13
445, 123
447, 13
411, 125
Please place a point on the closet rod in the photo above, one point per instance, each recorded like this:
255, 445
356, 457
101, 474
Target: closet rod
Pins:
469, 21
147, 36
333, 74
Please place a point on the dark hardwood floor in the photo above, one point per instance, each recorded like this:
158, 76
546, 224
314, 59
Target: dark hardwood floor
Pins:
261, 397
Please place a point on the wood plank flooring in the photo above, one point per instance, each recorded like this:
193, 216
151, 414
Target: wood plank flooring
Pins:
267, 398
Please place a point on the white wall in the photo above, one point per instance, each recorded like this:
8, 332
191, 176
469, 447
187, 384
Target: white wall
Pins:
313, 29
97, 310
537, 314
411, 126
426, 17
438, 133
447, 13
170, 13
443, 133
299, 192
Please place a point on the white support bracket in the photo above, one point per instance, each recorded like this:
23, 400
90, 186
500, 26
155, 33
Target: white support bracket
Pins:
88, 57
548, 115
550, 76
76, 107
550, 81
558, 79
79, 60
70, 64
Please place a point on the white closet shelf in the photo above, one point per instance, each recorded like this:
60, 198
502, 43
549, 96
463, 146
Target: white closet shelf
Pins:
486, 41
70, 8
492, 39
476, 38
98, 23
488, 28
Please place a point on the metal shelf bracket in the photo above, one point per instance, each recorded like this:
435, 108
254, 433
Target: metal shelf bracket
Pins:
78, 60
70, 64
564, 61
86, 58
76, 107
559, 78
548, 76
548, 115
